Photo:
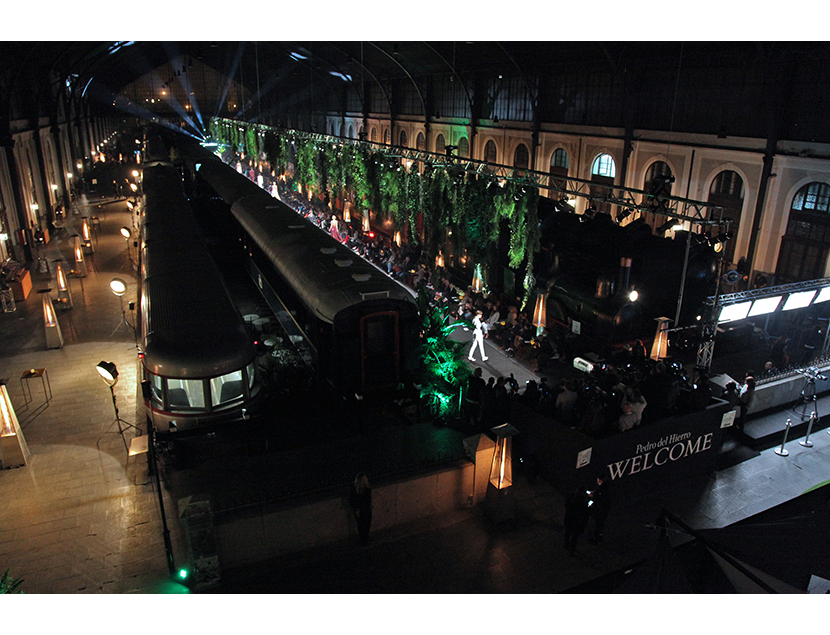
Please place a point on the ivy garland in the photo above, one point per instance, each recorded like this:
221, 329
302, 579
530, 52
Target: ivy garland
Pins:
305, 173
475, 208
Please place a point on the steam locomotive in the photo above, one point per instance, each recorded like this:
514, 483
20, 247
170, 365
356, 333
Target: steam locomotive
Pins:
614, 280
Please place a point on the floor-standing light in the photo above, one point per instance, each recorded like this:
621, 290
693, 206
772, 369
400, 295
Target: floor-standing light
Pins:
119, 288
80, 263
86, 233
127, 233
478, 279
109, 373
540, 318
500, 503
13, 449
54, 337
660, 347
64, 293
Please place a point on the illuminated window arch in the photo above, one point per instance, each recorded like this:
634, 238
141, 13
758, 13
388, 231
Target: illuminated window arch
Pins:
373, 135
727, 192
804, 248
420, 142
463, 147
403, 139
604, 166
439, 144
351, 131
603, 171
387, 137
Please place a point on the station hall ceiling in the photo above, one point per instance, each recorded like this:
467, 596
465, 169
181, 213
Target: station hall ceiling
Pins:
33, 72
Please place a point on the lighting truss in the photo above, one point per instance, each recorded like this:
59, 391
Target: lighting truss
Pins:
731, 307
681, 209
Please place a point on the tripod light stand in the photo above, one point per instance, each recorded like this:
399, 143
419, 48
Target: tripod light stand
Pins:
109, 373
119, 288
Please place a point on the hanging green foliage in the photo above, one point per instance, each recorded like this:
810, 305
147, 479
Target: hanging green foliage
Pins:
251, 144
357, 176
443, 372
304, 172
476, 209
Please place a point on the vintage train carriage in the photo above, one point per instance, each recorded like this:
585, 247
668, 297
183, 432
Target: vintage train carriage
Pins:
198, 355
363, 324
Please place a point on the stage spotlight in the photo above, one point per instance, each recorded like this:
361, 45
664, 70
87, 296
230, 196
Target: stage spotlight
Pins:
108, 372
665, 227
719, 241
118, 286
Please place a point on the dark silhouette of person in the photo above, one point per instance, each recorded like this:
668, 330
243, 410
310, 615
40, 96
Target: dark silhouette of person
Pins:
600, 508
576, 518
360, 500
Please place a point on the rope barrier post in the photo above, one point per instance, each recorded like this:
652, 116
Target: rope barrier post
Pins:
781, 451
806, 442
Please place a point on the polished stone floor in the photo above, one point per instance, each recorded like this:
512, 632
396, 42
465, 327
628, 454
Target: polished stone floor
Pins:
83, 516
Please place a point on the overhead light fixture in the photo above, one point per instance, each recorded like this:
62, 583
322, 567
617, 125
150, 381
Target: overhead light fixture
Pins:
125, 232
823, 295
798, 300
764, 306
734, 312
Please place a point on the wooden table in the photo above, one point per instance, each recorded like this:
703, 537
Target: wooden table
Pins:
34, 373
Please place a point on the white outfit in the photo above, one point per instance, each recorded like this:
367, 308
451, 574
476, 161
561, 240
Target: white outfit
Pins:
478, 339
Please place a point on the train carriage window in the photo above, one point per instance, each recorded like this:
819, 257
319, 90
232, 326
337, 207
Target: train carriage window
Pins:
251, 374
156, 384
226, 388
186, 394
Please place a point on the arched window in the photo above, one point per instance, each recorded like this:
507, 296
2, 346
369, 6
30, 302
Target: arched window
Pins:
490, 152
387, 137
373, 135
439, 144
521, 158
604, 166
658, 180
603, 171
403, 138
342, 130
559, 159
351, 131
463, 147
804, 248
558, 168
727, 191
